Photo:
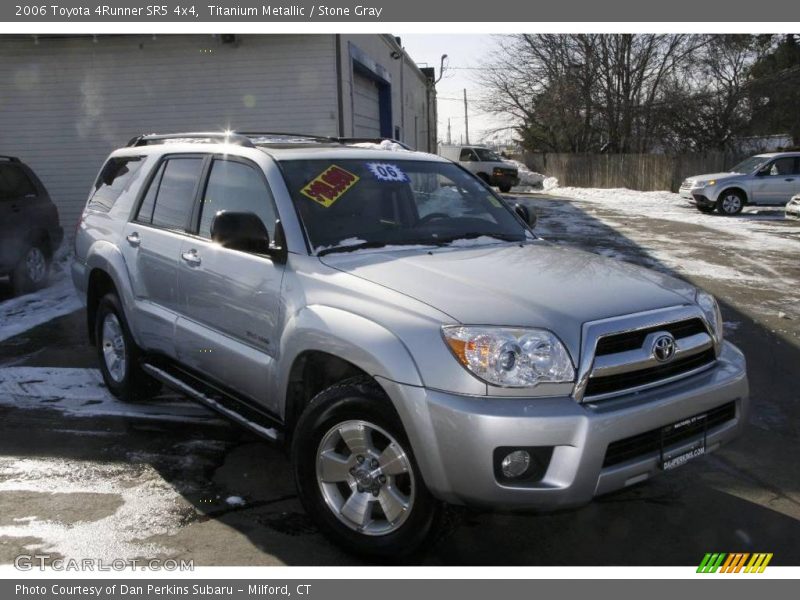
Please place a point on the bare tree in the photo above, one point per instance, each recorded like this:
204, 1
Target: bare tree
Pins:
621, 93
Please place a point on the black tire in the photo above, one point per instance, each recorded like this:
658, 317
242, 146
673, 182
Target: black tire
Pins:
706, 209
359, 399
134, 384
32, 272
727, 204
485, 178
505, 188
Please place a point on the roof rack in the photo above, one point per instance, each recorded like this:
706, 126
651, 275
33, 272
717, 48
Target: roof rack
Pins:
211, 136
9, 158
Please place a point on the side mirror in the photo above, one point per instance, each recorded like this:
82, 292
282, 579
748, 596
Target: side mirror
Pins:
526, 215
240, 231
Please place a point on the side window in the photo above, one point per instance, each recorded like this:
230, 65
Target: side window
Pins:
782, 166
114, 179
236, 187
145, 214
175, 197
14, 182
466, 155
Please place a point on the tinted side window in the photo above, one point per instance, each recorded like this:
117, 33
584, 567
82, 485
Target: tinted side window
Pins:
236, 187
176, 192
114, 179
145, 214
14, 182
466, 154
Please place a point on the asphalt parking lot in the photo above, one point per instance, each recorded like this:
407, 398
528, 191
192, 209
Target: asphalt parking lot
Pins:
82, 476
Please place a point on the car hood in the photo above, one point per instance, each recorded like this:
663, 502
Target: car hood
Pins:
709, 176
528, 285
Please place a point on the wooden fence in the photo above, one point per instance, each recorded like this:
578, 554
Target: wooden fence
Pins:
646, 172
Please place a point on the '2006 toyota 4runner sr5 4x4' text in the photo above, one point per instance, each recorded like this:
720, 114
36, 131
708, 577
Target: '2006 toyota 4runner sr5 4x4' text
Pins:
399, 326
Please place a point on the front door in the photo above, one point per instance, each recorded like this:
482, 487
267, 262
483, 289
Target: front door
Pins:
777, 182
229, 299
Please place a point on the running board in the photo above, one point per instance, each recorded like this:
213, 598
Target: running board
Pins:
214, 403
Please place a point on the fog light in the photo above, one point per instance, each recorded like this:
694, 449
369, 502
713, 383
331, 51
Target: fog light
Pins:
515, 464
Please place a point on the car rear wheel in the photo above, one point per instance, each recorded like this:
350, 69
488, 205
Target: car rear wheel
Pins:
32, 270
505, 188
356, 474
730, 203
118, 354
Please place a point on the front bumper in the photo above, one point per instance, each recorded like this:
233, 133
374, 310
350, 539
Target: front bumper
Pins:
454, 437
509, 180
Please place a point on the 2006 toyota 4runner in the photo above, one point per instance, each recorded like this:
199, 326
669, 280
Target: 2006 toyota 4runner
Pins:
398, 326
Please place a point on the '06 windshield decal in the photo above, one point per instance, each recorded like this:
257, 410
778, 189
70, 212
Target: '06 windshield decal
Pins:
387, 172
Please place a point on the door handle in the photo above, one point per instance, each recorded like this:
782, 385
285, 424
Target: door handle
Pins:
191, 257
133, 239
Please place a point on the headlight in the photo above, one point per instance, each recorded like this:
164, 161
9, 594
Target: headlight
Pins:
510, 357
702, 184
711, 311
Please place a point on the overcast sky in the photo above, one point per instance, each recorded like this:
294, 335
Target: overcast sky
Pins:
465, 53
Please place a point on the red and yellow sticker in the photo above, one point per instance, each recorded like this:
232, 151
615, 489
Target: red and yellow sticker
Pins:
330, 185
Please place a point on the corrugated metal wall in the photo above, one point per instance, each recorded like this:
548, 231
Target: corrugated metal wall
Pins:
65, 103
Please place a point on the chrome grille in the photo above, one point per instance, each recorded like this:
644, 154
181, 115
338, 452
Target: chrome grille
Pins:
619, 356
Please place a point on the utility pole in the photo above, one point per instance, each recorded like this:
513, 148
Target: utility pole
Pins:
449, 139
466, 118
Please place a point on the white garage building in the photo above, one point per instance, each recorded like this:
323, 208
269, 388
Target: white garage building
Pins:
67, 101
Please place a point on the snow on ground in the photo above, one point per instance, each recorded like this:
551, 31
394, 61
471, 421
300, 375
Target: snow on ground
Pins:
145, 506
748, 227
81, 393
25, 312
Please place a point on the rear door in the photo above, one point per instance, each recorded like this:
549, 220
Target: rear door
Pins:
777, 182
230, 299
152, 247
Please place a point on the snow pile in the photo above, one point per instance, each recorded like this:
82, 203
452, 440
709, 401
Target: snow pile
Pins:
526, 176
25, 312
351, 241
384, 145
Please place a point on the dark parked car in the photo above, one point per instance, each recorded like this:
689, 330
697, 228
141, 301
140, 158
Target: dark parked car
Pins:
29, 229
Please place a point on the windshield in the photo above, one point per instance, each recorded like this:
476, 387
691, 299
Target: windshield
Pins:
351, 204
487, 155
749, 165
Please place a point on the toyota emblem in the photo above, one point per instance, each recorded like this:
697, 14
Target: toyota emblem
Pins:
664, 347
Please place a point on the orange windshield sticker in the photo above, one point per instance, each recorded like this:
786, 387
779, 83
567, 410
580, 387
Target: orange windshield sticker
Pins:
330, 185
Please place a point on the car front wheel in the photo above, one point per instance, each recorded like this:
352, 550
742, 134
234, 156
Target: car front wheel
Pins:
730, 203
356, 474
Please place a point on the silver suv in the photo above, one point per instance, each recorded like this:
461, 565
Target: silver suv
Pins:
764, 179
398, 326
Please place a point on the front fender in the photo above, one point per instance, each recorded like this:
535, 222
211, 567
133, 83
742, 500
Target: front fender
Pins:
364, 343
726, 185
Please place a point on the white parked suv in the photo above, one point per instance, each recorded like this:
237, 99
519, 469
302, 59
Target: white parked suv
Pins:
764, 179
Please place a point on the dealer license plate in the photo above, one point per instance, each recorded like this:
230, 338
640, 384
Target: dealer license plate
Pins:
696, 428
